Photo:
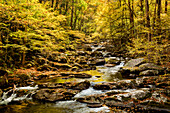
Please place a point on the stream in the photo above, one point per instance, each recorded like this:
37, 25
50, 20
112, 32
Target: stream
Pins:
12, 102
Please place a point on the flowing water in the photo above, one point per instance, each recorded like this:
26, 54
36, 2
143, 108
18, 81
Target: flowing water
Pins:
100, 75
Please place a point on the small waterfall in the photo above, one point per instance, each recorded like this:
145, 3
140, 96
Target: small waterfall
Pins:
7, 97
89, 91
111, 73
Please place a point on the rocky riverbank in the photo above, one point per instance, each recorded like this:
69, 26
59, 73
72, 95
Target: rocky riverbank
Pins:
123, 85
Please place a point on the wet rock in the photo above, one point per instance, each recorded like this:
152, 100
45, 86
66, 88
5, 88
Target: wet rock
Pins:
81, 53
108, 54
87, 47
81, 85
23, 76
91, 100
100, 49
53, 95
100, 62
96, 54
22, 92
113, 61
125, 84
135, 62
110, 65
82, 75
66, 73
94, 105
150, 66
101, 87
149, 73
51, 85
121, 105
112, 76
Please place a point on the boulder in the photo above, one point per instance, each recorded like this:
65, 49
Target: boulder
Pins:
101, 49
87, 47
100, 62
108, 54
113, 61
149, 73
101, 87
81, 85
82, 75
81, 53
96, 54
150, 66
112, 76
110, 65
134, 62
53, 95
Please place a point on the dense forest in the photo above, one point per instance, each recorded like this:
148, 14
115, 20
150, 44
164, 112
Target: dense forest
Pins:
41, 37
141, 28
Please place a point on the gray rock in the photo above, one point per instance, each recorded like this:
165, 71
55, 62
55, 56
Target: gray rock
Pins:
149, 73
150, 66
134, 62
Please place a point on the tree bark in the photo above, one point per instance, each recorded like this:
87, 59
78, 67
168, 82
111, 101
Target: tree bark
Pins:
159, 16
131, 8
72, 13
147, 18
166, 5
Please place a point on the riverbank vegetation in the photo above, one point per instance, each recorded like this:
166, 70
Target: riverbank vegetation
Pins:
141, 28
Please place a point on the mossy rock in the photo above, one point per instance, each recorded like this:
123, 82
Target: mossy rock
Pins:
113, 61
149, 73
44, 67
150, 66
23, 76
135, 62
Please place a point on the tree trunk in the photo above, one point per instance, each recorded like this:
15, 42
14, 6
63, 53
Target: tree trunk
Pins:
154, 17
131, 18
72, 12
141, 6
159, 16
75, 16
166, 5
66, 7
147, 18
